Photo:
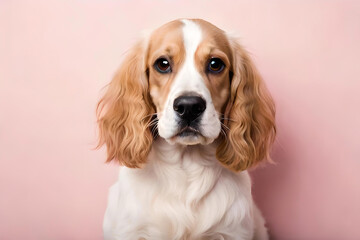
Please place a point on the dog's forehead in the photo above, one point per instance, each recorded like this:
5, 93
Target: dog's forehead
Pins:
214, 36
172, 33
166, 33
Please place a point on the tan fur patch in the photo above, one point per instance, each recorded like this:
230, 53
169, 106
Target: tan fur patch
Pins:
214, 45
167, 41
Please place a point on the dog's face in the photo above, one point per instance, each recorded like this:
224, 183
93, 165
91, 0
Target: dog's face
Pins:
189, 79
195, 85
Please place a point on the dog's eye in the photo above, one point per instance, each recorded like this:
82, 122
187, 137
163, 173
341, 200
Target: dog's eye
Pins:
216, 65
162, 65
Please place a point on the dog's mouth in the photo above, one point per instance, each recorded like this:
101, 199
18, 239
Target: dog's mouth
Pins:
188, 136
188, 132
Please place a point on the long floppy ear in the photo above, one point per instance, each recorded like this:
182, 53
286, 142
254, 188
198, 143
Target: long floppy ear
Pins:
251, 114
124, 112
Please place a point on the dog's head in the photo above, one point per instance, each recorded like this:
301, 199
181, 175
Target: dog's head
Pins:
190, 83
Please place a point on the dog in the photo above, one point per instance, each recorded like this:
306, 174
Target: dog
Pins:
186, 115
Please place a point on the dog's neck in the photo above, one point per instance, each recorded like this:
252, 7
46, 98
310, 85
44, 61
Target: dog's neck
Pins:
188, 172
178, 154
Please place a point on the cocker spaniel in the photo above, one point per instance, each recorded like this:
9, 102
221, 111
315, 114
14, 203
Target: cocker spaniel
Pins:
186, 115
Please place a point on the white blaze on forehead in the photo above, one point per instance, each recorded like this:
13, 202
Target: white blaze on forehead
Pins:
192, 37
188, 78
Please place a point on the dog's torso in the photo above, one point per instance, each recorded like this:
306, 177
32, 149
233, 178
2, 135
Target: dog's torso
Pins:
182, 193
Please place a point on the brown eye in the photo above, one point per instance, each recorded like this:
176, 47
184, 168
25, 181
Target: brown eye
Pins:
216, 65
162, 65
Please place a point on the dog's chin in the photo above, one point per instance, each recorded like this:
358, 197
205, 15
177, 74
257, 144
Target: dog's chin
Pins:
189, 136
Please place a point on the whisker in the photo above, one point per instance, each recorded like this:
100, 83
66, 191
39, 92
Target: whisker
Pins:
150, 115
154, 125
152, 122
226, 127
156, 135
232, 120
223, 132
154, 129
154, 132
219, 113
222, 117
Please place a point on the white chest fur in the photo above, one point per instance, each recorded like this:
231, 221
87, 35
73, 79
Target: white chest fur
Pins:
182, 193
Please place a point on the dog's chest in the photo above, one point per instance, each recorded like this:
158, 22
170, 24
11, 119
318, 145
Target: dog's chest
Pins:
198, 204
181, 213
175, 209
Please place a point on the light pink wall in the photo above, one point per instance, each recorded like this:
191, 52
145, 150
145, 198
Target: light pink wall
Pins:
55, 56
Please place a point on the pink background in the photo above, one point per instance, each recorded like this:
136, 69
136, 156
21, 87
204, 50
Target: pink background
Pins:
55, 57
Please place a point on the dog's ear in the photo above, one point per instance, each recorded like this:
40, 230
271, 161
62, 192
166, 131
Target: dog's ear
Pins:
251, 116
125, 111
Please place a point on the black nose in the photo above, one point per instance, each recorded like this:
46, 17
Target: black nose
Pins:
189, 107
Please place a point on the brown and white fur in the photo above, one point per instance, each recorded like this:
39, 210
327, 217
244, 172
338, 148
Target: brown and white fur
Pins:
183, 173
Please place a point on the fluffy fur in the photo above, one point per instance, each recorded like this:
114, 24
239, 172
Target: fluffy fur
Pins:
174, 186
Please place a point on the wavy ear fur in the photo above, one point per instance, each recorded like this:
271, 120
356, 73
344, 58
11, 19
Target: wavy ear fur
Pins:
251, 114
125, 111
